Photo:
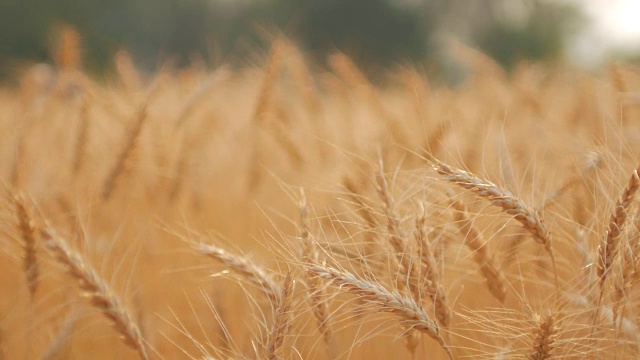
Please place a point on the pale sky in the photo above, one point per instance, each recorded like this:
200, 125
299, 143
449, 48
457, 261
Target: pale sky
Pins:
615, 25
619, 20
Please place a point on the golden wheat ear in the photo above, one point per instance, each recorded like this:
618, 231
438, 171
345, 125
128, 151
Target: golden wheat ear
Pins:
494, 278
28, 233
432, 282
131, 143
82, 136
402, 249
282, 320
529, 218
412, 315
315, 288
544, 338
98, 292
262, 278
608, 249
67, 54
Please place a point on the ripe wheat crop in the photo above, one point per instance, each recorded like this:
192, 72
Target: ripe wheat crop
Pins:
293, 210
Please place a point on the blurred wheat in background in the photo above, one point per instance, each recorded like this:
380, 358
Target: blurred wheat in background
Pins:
293, 211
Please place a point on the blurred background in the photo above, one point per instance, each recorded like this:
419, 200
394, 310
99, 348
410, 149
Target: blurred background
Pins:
374, 32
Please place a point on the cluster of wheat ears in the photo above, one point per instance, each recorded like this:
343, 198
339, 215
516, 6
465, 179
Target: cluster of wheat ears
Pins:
289, 211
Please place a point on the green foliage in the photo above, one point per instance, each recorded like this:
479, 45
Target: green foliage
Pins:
378, 32
148, 28
543, 35
375, 31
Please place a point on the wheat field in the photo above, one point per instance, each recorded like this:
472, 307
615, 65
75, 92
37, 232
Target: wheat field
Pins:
297, 211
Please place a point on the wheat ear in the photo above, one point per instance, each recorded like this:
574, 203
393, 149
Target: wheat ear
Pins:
408, 273
528, 217
282, 321
258, 276
28, 232
620, 87
627, 279
314, 287
365, 212
189, 106
303, 79
412, 315
67, 54
402, 249
262, 113
348, 71
608, 249
269, 84
127, 71
130, 145
82, 136
432, 282
544, 339
473, 239
98, 292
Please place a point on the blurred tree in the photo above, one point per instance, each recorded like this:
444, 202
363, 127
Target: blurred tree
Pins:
147, 27
22, 32
537, 30
377, 31
373, 31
